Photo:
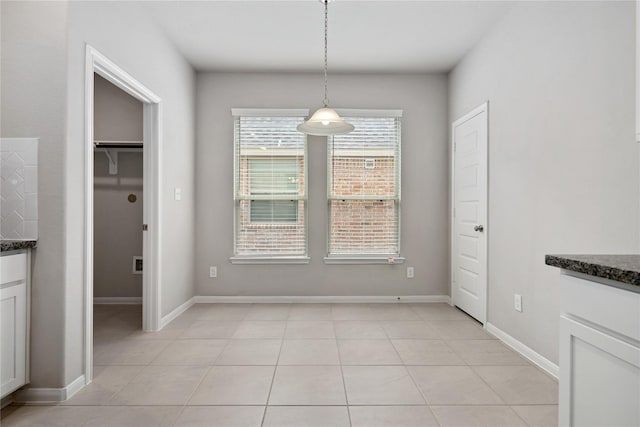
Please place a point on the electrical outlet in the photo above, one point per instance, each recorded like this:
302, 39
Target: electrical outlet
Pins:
213, 271
410, 272
517, 302
177, 194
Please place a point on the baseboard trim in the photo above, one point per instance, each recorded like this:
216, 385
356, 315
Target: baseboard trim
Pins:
176, 312
75, 386
50, 395
323, 299
6, 401
527, 352
117, 300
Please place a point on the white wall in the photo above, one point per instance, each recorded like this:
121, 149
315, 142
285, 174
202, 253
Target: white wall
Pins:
125, 35
424, 236
117, 115
563, 164
43, 61
33, 104
117, 226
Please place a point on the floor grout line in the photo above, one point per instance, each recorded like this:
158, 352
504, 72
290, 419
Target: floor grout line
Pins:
273, 378
344, 383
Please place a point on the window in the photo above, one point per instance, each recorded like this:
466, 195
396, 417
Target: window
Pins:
273, 177
270, 184
364, 186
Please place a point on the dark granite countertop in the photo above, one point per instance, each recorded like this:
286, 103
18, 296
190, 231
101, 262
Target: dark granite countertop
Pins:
619, 268
14, 245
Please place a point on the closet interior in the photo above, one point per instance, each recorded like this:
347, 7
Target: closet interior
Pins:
118, 190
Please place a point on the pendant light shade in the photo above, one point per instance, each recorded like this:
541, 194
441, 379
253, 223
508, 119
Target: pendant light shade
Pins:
325, 121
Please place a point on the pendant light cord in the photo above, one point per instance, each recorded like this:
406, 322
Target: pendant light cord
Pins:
326, 25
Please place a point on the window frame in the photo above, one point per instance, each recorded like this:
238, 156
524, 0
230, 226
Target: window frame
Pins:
269, 258
365, 258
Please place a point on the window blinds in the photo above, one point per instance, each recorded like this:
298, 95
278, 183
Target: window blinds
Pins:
364, 187
270, 185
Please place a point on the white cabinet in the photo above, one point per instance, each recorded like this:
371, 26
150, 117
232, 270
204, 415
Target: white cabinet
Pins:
599, 355
14, 321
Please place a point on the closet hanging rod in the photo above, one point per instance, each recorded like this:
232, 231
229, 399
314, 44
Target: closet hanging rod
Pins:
117, 144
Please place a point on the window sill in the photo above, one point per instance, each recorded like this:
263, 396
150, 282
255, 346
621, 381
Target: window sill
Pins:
364, 259
269, 260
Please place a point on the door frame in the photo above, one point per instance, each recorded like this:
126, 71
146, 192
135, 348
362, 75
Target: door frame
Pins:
96, 62
483, 108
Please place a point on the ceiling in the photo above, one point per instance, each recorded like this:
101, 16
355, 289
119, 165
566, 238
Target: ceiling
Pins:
287, 36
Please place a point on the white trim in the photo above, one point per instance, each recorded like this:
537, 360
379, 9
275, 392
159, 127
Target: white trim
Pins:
281, 152
263, 299
364, 259
96, 63
270, 112
45, 395
176, 312
484, 108
6, 401
527, 352
89, 80
117, 300
358, 112
152, 212
638, 70
27, 372
269, 260
75, 386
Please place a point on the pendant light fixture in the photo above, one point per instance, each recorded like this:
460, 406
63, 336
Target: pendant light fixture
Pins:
325, 121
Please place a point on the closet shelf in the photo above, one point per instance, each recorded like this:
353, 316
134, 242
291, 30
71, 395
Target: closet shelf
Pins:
112, 148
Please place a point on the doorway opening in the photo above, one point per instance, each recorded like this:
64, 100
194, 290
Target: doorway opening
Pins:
117, 166
117, 212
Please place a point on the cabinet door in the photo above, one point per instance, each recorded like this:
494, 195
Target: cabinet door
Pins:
13, 328
599, 377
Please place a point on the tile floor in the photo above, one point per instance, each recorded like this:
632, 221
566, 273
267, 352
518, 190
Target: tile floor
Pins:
329, 365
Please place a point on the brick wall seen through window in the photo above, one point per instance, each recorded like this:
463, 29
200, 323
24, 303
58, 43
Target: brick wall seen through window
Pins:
364, 188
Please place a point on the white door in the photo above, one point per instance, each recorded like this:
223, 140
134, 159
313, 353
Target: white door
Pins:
469, 225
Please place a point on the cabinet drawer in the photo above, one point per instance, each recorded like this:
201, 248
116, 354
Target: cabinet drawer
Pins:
595, 302
13, 267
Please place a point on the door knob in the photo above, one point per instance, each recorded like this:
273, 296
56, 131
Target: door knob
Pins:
479, 228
